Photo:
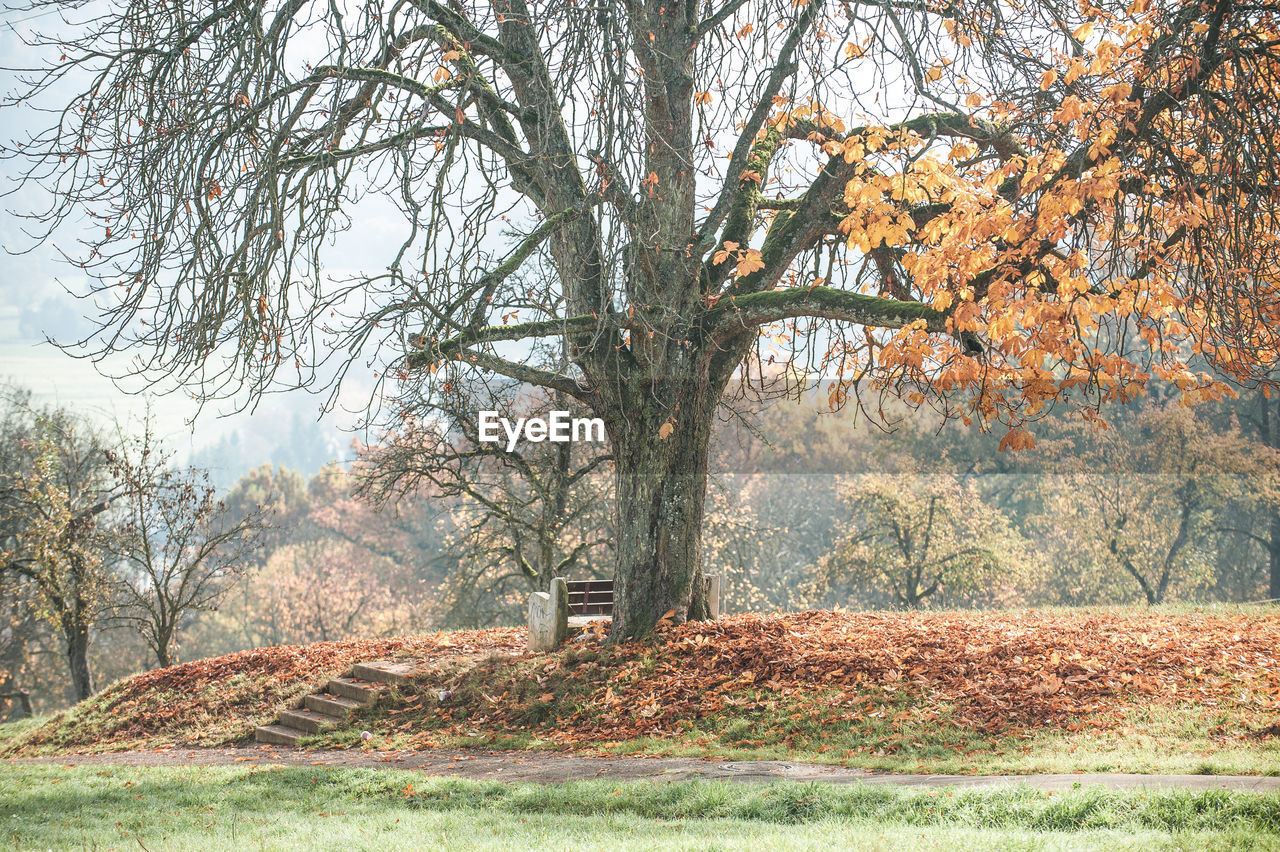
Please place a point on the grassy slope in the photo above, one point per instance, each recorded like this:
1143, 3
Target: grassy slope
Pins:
1058, 691
222, 699
1184, 692
11, 731
279, 808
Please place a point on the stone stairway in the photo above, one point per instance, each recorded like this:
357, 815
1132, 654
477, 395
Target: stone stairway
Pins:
331, 707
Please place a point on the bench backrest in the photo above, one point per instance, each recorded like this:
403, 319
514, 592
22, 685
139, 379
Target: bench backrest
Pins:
590, 597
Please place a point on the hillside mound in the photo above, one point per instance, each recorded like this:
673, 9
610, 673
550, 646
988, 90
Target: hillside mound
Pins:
990, 672
222, 699
789, 680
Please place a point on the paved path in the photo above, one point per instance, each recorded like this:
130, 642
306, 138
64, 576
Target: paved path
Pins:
548, 768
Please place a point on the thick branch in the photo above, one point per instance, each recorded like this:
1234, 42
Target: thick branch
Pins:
734, 314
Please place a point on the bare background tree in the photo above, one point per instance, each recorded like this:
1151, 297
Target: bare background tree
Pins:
178, 549
524, 515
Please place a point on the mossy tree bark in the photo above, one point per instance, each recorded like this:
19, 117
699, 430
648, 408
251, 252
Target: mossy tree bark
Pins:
661, 465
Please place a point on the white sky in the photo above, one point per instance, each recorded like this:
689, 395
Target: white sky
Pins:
35, 304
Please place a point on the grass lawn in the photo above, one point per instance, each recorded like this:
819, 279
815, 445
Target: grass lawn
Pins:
284, 808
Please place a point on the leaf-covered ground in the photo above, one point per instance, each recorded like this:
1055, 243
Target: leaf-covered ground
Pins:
222, 699
988, 671
906, 691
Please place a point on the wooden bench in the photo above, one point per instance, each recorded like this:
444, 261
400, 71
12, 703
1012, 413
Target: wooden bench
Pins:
590, 600
578, 603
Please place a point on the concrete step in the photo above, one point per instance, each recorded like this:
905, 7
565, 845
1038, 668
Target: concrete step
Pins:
332, 705
382, 671
357, 690
277, 735
307, 720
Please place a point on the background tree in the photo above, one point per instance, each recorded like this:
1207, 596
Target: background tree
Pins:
402, 542
763, 536
339, 570
21, 633
1261, 420
54, 491
319, 590
970, 204
1141, 508
519, 516
276, 493
918, 536
177, 547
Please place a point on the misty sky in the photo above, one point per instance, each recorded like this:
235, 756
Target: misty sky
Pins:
35, 304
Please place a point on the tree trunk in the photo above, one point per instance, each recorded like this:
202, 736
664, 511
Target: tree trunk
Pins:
78, 657
661, 486
1273, 551
163, 648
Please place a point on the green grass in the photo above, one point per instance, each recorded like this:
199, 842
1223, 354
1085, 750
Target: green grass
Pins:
1151, 739
277, 808
12, 730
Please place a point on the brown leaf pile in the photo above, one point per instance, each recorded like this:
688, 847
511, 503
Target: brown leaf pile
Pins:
996, 672
992, 671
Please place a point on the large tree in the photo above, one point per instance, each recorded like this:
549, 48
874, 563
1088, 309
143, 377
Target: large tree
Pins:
980, 203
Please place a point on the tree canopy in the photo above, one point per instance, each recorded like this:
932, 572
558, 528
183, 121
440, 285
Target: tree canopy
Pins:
992, 206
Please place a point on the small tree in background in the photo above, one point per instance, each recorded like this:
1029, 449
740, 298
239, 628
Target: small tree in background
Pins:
763, 536
278, 493
54, 490
915, 536
1262, 420
178, 548
24, 639
1139, 507
517, 518
321, 589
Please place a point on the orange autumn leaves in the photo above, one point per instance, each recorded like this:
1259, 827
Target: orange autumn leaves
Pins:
996, 672
1087, 236
746, 260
